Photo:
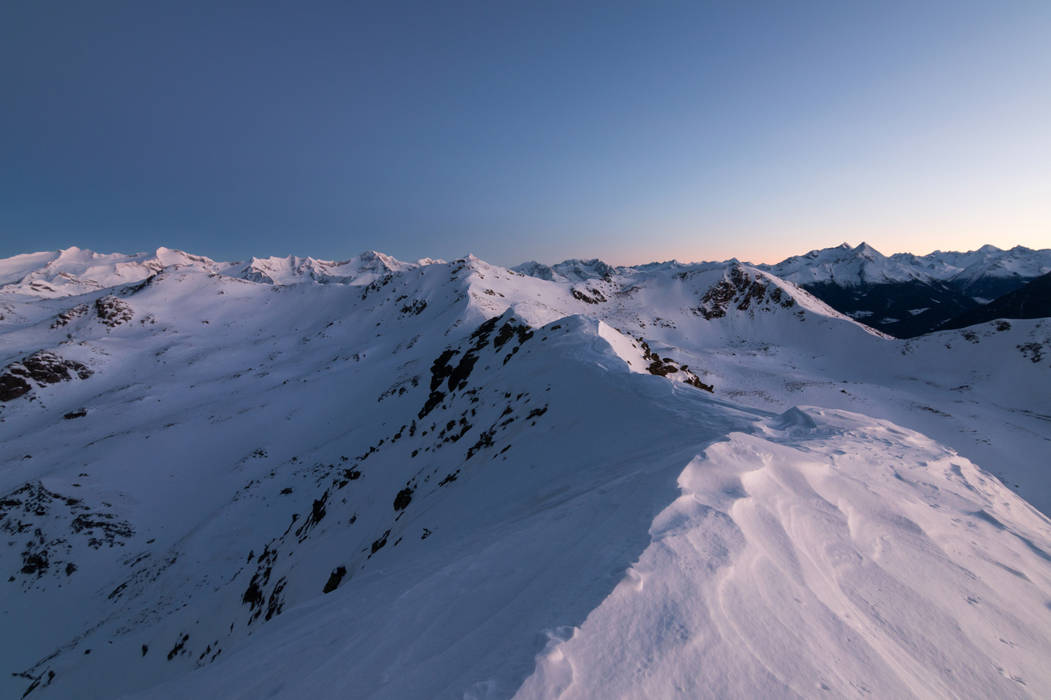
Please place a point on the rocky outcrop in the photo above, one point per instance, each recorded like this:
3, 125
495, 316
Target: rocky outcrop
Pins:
68, 315
589, 295
742, 290
40, 368
663, 367
112, 311
48, 525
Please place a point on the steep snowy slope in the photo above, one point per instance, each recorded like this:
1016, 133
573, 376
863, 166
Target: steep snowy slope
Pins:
411, 487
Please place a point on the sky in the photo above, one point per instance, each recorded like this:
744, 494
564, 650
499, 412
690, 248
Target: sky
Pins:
629, 131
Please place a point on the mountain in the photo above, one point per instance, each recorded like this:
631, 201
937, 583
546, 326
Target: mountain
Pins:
76, 271
1031, 300
567, 270
291, 478
848, 267
360, 270
907, 295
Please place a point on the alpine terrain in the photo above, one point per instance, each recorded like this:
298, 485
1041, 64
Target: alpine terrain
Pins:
907, 295
290, 478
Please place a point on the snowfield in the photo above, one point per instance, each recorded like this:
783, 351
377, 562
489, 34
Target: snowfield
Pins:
291, 477
824, 553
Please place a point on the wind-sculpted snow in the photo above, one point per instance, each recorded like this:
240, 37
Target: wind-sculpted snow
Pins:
825, 553
411, 480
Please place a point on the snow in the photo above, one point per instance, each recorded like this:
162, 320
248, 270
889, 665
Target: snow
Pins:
624, 347
863, 264
75, 271
787, 567
843, 509
847, 266
568, 270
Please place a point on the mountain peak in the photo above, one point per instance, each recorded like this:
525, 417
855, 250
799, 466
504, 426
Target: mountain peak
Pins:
865, 249
375, 255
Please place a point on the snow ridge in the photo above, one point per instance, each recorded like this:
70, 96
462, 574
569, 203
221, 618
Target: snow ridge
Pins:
805, 536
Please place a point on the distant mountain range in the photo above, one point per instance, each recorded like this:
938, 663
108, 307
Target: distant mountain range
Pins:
907, 295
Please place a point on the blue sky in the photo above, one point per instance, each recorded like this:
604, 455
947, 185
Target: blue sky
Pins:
524, 130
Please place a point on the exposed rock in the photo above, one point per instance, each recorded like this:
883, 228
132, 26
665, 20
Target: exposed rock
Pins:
442, 368
589, 296
380, 543
11, 387
112, 311
664, 367
103, 528
334, 579
41, 367
416, 308
42, 521
69, 314
739, 289
402, 500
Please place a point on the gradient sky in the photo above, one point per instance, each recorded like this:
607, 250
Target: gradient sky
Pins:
630, 131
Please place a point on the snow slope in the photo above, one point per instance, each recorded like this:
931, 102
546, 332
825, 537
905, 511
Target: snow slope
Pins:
458, 480
788, 567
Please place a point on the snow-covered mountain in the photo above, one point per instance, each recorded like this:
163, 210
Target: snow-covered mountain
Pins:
851, 267
863, 264
907, 295
292, 478
75, 271
363, 269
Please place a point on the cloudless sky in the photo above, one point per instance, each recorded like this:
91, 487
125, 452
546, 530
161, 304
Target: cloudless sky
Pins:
630, 131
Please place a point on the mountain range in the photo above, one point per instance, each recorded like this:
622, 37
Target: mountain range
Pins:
907, 295
290, 477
